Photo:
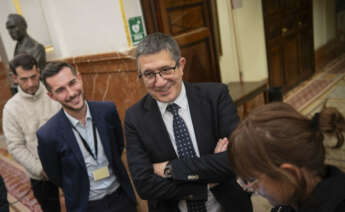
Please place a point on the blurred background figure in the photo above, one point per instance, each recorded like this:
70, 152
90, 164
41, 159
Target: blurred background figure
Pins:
279, 154
23, 114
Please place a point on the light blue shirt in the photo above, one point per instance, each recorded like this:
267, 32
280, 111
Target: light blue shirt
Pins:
99, 188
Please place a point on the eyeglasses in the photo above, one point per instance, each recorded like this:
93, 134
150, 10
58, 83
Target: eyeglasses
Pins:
165, 71
248, 185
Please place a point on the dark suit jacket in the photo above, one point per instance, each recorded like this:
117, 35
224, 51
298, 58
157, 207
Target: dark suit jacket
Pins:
214, 116
62, 159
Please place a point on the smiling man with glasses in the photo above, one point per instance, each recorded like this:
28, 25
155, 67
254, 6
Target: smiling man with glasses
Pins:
177, 136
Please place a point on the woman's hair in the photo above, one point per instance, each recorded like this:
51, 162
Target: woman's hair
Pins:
276, 133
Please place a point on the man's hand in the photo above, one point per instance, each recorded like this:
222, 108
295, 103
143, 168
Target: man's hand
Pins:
222, 145
159, 168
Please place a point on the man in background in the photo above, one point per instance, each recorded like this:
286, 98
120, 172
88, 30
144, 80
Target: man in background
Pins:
23, 114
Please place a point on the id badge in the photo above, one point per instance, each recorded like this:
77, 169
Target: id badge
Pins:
101, 173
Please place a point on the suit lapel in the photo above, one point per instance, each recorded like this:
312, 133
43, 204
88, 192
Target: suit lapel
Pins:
160, 134
103, 131
69, 138
196, 106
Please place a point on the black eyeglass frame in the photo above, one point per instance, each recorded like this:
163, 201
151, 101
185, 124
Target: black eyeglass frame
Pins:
159, 72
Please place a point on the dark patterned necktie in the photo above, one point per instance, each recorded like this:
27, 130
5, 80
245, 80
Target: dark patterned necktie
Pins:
185, 149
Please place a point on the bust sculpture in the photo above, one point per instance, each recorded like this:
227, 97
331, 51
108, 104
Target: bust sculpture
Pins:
17, 26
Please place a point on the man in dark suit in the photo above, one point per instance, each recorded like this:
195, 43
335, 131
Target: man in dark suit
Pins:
176, 136
80, 147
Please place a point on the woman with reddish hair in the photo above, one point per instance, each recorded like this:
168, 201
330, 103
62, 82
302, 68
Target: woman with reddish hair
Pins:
279, 154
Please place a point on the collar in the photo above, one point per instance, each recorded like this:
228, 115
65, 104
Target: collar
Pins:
41, 90
181, 101
321, 198
75, 122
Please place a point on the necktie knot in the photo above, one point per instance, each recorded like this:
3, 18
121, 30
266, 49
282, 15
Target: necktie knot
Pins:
173, 108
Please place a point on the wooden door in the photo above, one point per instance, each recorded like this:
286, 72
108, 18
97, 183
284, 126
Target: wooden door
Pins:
190, 22
289, 41
306, 40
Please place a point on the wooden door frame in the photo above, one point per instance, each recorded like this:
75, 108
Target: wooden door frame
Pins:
154, 23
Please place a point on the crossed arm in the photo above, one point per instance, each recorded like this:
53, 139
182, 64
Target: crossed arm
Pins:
150, 185
159, 168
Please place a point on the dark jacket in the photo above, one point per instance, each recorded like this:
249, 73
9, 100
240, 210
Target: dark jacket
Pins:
63, 161
3, 197
214, 116
328, 196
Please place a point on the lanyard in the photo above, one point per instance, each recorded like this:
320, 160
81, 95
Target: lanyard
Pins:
86, 145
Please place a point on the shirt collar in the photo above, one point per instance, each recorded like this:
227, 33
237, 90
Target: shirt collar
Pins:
181, 101
41, 89
75, 122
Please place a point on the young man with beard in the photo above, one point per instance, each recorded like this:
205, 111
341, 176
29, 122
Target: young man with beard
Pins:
23, 114
80, 147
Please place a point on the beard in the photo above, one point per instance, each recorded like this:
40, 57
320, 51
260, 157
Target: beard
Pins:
75, 109
31, 90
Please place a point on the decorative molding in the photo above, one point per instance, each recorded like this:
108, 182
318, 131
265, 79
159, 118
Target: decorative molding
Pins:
18, 7
125, 23
106, 63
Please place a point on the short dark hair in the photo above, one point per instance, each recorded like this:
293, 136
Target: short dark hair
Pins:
155, 43
18, 19
24, 60
53, 68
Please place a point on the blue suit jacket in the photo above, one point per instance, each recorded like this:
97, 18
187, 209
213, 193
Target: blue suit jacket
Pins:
62, 159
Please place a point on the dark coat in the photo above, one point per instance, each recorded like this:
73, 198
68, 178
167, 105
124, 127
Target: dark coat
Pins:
4, 207
214, 116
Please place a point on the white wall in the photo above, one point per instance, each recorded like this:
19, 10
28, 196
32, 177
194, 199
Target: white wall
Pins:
229, 68
249, 29
324, 19
78, 27
81, 27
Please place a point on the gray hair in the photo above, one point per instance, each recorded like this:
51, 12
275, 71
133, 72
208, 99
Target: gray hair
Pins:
155, 43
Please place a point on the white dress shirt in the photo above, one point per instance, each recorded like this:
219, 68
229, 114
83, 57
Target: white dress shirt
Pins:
211, 204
